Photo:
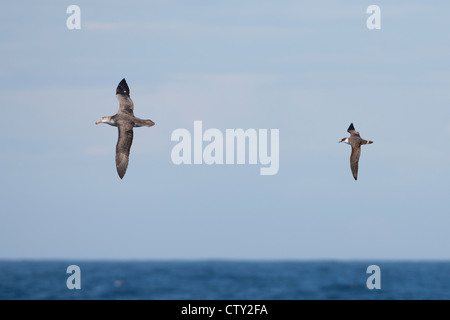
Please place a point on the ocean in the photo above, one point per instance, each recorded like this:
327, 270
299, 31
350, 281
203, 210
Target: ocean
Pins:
224, 280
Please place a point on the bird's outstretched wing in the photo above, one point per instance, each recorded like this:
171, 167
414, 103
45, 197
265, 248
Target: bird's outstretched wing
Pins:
352, 130
123, 95
123, 146
354, 159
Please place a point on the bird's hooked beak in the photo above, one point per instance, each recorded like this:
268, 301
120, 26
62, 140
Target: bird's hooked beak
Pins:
99, 121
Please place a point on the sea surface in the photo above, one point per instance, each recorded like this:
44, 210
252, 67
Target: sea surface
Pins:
223, 280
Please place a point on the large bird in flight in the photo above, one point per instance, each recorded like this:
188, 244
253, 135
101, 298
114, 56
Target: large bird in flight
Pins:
124, 120
355, 141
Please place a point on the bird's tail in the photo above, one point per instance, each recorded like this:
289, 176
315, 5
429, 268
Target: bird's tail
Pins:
149, 123
367, 142
143, 123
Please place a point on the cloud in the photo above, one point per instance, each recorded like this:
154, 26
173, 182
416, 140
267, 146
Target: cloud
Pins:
102, 26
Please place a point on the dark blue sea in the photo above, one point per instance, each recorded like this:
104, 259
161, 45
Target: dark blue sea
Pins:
224, 280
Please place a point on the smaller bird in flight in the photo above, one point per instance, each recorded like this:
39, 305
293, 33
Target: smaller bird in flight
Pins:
124, 120
355, 141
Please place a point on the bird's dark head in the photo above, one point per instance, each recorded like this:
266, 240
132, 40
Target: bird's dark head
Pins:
344, 140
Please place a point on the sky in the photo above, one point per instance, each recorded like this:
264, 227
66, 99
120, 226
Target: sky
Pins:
306, 68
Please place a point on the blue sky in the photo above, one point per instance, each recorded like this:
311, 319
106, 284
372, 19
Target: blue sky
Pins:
308, 69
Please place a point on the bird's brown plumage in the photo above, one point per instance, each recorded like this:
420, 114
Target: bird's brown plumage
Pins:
123, 146
355, 141
125, 121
